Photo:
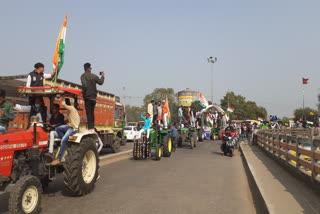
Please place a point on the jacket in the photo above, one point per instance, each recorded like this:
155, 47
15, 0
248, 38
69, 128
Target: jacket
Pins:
7, 108
89, 87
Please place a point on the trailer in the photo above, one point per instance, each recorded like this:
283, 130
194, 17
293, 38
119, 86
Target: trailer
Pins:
109, 112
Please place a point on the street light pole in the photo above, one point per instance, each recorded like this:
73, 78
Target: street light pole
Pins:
212, 60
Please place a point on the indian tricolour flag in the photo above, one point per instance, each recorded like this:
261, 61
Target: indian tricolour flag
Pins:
58, 56
230, 110
260, 119
203, 101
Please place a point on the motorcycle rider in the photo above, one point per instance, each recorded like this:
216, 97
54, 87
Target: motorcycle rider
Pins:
228, 132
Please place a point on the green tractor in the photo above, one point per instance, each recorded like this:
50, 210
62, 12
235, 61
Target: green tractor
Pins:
188, 135
159, 141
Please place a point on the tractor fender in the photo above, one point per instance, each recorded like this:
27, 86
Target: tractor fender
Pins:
77, 137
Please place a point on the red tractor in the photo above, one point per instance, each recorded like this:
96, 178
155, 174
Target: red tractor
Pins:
25, 168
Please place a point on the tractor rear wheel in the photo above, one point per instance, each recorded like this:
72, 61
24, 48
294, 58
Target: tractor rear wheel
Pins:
167, 146
115, 146
159, 151
26, 196
81, 167
135, 150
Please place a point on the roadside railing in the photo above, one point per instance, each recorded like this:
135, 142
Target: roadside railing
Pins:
298, 148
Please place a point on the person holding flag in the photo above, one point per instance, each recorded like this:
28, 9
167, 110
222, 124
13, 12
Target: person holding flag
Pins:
36, 77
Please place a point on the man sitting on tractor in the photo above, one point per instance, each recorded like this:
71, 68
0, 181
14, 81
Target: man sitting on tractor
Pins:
56, 120
6, 112
147, 125
38, 108
65, 131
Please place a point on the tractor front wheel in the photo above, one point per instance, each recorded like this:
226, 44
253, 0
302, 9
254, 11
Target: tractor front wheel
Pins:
159, 151
167, 146
201, 135
195, 139
81, 167
192, 142
26, 196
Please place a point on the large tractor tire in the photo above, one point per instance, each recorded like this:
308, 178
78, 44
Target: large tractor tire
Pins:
136, 154
123, 141
26, 196
115, 146
167, 146
81, 167
159, 152
179, 141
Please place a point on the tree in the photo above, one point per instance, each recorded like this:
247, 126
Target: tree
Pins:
133, 113
308, 113
196, 106
244, 110
160, 94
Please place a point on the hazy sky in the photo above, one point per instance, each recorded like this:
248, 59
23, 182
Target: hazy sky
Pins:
264, 48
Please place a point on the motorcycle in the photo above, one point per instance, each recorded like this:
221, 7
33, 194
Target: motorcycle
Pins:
229, 144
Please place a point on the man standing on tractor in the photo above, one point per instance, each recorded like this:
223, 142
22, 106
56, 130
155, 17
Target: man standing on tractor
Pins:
150, 109
36, 77
56, 120
165, 112
159, 113
65, 131
146, 126
155, 113
89, 90
6, 112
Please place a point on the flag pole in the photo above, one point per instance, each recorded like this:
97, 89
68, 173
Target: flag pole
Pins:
303, 117
55, 76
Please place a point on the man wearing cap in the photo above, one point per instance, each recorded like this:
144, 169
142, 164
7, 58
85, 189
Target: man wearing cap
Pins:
89, 90
36, 77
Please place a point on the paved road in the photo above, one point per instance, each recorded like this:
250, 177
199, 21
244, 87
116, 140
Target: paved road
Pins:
191, 181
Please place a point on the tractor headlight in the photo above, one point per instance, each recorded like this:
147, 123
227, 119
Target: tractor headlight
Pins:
73, 138
34, 119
